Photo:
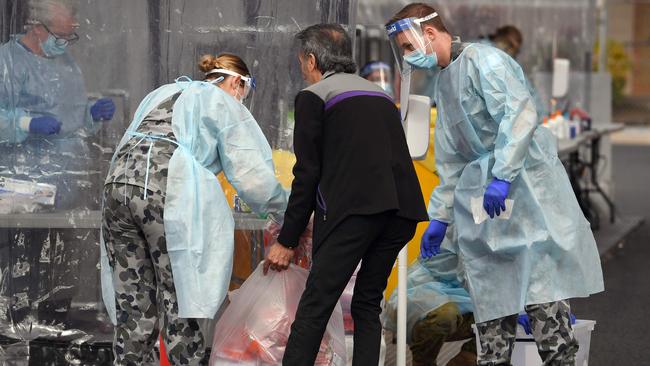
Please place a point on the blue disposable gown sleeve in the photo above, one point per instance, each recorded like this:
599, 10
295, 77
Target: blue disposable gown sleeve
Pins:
90, 125
449, 167
540, 108
11, 115
12, 124
247, 160
501, 83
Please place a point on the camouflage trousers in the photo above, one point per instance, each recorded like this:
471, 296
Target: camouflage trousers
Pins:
145, 295
552, 330
443, 324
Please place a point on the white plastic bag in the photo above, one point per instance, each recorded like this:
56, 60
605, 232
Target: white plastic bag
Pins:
255, 327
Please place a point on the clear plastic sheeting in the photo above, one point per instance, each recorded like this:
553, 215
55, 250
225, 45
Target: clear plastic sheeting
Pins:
550, 28
261, 32
50, 307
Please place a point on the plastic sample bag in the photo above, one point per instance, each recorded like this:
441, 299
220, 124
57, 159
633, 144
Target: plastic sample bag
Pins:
254, 329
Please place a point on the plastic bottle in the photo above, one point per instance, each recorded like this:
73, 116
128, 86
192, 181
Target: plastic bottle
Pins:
561, 126
577, 122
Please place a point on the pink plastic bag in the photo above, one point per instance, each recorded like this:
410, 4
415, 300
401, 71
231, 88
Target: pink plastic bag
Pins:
254, 329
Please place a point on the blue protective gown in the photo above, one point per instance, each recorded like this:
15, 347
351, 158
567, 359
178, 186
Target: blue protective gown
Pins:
487, 128
32, 86
214, 133
430, 284
541, 107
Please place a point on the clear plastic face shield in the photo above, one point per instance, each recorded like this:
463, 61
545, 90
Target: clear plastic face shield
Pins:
246, 88
380, 74
409, 45
406, 37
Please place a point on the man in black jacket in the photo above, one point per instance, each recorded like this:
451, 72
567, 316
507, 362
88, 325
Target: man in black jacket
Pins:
355, 173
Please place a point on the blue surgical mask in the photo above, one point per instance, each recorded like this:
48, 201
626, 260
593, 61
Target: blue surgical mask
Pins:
51, 49
420, 60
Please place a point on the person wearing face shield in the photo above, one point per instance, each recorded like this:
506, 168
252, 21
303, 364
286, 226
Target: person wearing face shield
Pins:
380, 74
354, 173
167, 229
47, 125
521, 236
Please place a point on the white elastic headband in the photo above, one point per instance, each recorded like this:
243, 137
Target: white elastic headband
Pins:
424, 19
228, 72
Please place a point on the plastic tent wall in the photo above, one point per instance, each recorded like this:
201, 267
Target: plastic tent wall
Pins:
550, 28
50, 307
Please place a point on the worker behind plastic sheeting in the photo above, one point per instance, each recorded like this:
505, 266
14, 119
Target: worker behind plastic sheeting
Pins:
167, 230
510, 40
439, 310
46, 164
354, 172
45, 115
522, 238
380, 74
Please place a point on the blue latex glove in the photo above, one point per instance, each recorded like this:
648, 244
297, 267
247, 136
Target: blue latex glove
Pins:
432, 239
102, 110
494, 200
523, 320
44, 125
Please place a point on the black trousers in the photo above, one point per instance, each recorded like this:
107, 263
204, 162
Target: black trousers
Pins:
376, 241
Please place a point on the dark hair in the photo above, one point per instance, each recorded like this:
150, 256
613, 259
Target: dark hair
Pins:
420, 10
330, 45
507, 32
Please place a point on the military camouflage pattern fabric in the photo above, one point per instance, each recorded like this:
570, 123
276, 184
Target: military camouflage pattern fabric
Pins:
551, 328
144, 287
130, 166
443, 324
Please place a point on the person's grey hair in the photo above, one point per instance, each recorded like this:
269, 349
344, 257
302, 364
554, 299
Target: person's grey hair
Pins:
330, 45
43, 11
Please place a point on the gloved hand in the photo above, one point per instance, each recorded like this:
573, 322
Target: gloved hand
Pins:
102, 110
494, 199
432, 239
44, 125
524, 321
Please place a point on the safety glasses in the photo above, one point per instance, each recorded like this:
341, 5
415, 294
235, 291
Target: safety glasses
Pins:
62, 40
249, 81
